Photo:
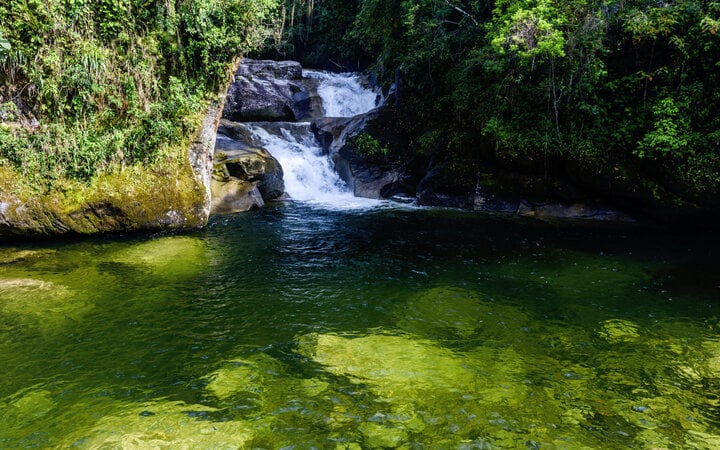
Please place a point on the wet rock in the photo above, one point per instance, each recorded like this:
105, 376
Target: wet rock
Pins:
245, 176
254, 165
265, 68
231, 196
163, 425
267, 91
576, 211
445, 186
369, 175
616, 331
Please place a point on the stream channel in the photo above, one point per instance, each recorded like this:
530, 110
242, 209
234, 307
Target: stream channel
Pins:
333, 322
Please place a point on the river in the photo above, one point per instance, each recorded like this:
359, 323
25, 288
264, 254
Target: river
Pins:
309, 324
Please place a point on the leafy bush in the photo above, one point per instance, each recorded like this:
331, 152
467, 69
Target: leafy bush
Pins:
370, 147
527, 80
114, 82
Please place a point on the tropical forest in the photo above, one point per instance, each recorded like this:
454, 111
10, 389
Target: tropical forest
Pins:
359, 224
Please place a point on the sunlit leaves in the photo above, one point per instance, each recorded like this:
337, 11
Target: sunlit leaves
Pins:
4, 46
668, 134
529, 29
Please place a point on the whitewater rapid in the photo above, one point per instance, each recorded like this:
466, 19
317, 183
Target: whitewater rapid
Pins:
309, 174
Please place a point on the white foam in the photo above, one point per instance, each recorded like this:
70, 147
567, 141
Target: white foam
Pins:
343, 95
308, 174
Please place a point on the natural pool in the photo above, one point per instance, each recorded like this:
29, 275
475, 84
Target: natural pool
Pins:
299, 327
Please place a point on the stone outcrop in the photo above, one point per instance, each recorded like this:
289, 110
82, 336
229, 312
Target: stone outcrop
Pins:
369, 175
269, 91
172, 193
244, 176
441, 180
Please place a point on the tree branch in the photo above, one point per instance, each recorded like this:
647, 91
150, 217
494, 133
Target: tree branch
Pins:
463, 12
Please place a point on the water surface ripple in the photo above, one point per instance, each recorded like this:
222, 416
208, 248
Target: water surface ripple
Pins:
307, 327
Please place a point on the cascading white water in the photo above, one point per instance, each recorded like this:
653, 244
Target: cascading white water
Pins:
343, 95
308, 174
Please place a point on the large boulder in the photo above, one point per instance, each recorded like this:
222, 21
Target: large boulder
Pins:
369, 165
171, 193
244, 175
269, 91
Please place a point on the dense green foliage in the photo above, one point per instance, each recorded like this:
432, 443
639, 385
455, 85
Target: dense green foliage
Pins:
96, 84
537, 83
315, 32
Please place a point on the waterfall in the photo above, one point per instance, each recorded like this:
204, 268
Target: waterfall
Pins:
343, 95
309, 175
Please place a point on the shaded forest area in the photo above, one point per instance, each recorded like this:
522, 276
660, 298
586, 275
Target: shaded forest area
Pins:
620, 97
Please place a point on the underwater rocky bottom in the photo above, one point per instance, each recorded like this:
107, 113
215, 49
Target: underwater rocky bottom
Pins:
387, 328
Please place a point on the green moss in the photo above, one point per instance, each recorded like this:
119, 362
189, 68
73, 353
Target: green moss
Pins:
26, 406
165, 194
250, 377
617, 331
396, 367
379, 436
10, 255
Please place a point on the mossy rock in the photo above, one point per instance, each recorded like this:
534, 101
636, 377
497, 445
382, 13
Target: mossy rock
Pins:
174, 425
167, 256
169, 194
462, 312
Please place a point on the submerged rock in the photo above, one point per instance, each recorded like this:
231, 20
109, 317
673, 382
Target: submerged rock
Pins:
379, 436
618, 331
11, 256
251, 376
39, 304
174, 425
168, 256
23, 408
397, 368
464, 313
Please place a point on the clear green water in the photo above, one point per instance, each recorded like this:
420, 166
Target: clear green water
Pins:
300, 328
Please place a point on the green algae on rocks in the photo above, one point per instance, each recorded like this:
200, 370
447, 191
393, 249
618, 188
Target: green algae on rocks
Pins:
171, 193
163, 424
